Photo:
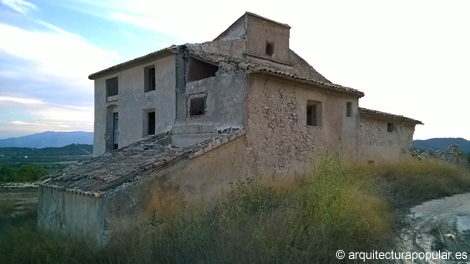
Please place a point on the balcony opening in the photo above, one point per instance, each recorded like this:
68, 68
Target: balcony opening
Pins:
151, 123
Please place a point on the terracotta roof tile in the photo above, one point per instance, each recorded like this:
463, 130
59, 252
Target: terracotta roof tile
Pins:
125, 166
366, 111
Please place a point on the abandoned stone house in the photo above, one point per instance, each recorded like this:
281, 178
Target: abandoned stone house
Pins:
175, 126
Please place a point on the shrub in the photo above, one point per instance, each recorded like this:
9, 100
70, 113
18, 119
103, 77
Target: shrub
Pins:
414, 181
24, 173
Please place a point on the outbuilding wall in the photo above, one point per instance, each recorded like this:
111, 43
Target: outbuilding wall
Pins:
67, 213
378, 144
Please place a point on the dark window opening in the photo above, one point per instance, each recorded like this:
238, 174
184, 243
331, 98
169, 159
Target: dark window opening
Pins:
348, 109
198, 70
197, 106
313, 113
112, 86
115, 130
151, 123
269, 48
150, 84
390, 127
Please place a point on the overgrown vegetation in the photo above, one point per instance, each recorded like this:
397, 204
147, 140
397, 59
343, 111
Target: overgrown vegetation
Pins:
22, 173
414, 181
339, 206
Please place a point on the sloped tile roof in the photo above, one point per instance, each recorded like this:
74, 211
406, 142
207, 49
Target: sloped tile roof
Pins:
376, 113
134, 62
124, 166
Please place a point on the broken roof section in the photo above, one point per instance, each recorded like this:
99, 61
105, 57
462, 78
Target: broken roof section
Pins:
375, 113
119, 168
252, 67
300, 71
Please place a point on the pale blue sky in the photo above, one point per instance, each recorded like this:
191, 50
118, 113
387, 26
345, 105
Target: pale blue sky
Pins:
409, 57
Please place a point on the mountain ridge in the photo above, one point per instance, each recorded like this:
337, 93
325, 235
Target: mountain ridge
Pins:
48, 139
442, 143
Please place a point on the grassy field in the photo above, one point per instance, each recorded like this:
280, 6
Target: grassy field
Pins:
339, 206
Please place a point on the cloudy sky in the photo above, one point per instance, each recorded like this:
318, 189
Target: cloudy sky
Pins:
410, 57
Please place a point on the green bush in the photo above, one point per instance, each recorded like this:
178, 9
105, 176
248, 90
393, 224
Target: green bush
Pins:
414, 181
21, 174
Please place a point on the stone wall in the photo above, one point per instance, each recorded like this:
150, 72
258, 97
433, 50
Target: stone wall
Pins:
281, 145
378, 144
453, 155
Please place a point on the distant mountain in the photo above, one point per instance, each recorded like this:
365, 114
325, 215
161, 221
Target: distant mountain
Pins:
48, 139
442, 143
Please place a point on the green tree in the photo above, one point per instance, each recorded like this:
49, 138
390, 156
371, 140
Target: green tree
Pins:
24, 173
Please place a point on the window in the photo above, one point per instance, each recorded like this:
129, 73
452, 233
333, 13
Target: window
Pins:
150, 84
348, 109
112, 87
390, 127
313, 113
197, 106
269, 48
151, 123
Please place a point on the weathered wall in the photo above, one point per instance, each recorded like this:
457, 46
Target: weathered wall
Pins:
69, 213
260, 32
281, 144
225, 106
133, 102
146, 202
377, 144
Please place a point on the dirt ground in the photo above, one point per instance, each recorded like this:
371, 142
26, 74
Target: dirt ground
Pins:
438, 226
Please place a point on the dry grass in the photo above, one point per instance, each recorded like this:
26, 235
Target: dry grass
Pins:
413, 181
337, 207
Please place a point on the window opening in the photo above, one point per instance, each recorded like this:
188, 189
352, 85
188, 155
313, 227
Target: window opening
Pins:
348, 109
150, 83
197, 106
269, 48
112, 87
390, 127
313, 113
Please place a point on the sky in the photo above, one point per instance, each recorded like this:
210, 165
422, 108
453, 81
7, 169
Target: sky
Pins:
409, 57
